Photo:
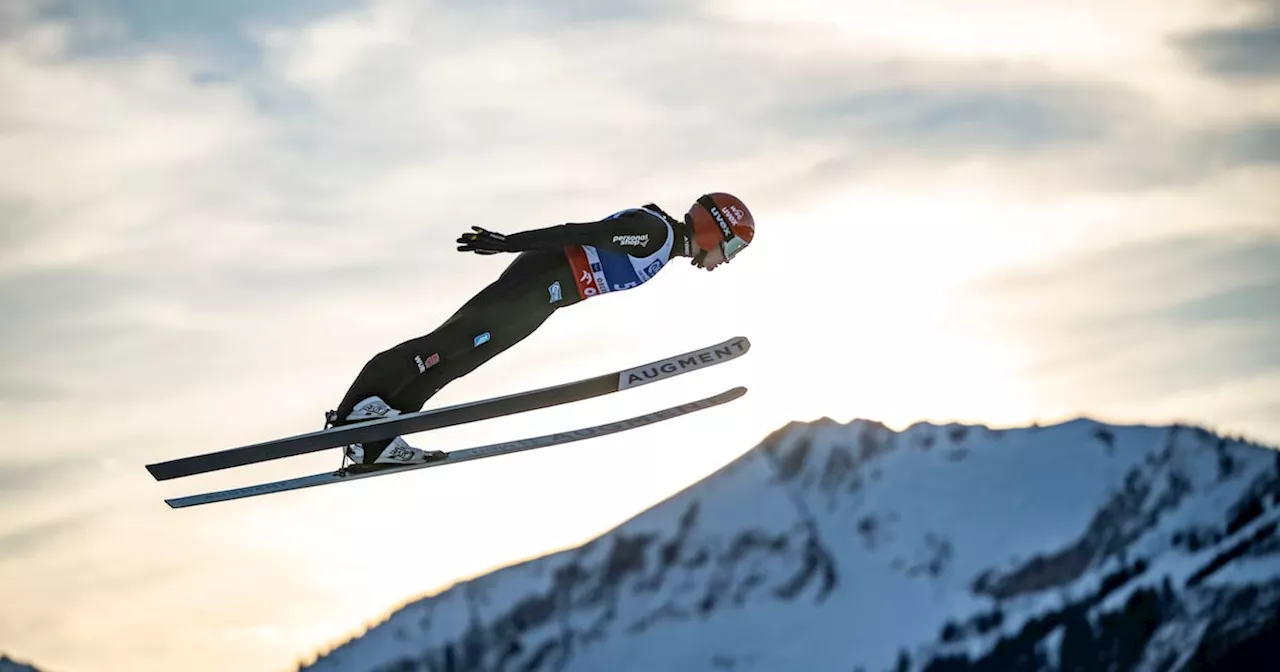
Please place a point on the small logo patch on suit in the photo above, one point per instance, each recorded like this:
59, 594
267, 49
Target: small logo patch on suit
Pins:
429, 362
480, 340
556, 294
632, 241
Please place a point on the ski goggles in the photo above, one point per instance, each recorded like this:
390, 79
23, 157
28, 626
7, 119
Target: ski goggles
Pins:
731, 247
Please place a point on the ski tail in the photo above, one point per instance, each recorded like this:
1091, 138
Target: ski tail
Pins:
466, 454
408, 423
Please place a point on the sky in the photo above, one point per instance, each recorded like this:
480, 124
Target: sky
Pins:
212, 215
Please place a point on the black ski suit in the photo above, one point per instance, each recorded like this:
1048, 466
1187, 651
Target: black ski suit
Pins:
552, 271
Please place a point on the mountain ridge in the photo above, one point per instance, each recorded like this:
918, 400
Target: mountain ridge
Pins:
8, 664
822, 518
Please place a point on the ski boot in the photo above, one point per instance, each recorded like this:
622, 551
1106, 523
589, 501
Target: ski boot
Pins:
385, 453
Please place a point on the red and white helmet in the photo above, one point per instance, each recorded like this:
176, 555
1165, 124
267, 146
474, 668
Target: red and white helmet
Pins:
721, 220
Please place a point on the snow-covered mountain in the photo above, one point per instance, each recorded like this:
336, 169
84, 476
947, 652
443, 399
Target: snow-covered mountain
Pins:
8, 664
846, 547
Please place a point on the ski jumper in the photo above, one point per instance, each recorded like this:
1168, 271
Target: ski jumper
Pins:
556, 267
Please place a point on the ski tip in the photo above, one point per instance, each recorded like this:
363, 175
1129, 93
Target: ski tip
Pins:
732, 393
161, 472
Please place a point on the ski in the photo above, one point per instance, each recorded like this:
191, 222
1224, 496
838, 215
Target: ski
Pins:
463, 455
408, 423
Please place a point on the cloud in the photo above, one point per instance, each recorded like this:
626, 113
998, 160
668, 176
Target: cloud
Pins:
1163, 273
917, 123
1245, 145
14, 544
178, 204
1248, 50
1145, 320
222, 31
16, 390
17, 479
695, 98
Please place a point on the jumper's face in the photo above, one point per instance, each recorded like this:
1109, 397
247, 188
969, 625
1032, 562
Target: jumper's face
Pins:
714, 258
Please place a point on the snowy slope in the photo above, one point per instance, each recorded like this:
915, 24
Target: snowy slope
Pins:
849, 546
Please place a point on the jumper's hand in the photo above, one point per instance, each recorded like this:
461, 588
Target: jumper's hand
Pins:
483, 241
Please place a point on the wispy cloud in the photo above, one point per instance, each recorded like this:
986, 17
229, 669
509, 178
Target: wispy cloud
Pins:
1247, 50
18, 544
1148, 321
